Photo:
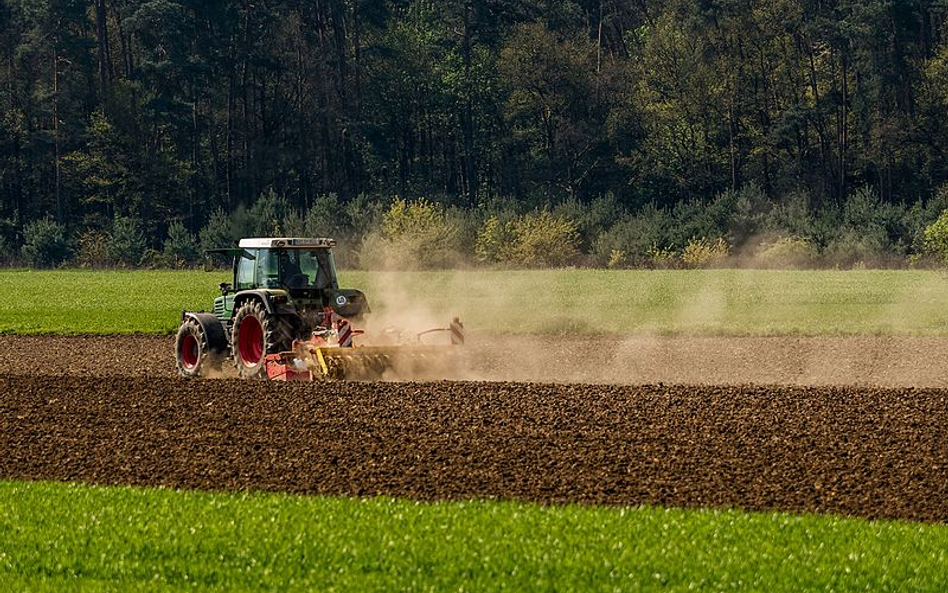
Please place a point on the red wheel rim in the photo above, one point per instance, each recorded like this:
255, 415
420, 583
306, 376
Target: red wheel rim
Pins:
190, 352
250, 341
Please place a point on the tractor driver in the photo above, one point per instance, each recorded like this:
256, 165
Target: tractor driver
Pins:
290, 271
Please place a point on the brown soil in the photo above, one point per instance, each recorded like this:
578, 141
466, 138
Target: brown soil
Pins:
111, 410
858, 451
875, 361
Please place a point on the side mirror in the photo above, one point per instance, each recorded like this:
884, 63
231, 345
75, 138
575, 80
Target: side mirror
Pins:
225, 287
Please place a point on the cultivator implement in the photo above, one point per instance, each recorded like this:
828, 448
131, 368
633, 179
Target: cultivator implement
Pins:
330, 353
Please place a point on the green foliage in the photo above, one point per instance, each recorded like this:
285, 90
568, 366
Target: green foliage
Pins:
7, 254
633, 236
491, 241
537, 239
542, 239
414, 235
590, 113
936, 238
663, 258
788, 253
266, 218
180, 249
703, 253
44, 244
218, 232
93, 249
128, 244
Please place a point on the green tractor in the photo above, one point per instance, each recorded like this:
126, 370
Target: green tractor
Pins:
284, 290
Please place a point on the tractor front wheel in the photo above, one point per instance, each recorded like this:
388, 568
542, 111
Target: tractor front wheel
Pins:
195, 357
257, 333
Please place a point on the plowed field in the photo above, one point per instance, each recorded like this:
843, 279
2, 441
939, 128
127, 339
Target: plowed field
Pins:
109, 410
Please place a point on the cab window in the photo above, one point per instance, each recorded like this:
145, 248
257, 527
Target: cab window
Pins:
268, 270
245, 271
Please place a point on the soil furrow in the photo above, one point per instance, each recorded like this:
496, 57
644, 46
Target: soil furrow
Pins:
873, 452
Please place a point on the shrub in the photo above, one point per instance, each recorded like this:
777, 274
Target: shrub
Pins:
218, 232
7, 253
266, 218
326, 218
662, 258
935, 240
633, 235
364, 214
128, 243
590, 219
93, 249
617, 259
180, 249
44, 243
702, 253
859, 247
749, 208
491, 241
413, 235
541, 239
788, 252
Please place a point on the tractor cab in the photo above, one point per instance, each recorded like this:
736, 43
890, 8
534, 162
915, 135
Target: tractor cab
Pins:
290, 276
300, 266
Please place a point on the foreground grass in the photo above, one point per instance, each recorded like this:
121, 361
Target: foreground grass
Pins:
735, 302
65, 537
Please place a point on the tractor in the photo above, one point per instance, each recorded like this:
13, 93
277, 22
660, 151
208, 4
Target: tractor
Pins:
284, 317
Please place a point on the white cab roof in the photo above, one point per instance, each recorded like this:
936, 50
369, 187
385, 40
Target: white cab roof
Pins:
287, 242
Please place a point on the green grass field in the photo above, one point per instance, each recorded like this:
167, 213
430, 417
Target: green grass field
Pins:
63, 537
732, 302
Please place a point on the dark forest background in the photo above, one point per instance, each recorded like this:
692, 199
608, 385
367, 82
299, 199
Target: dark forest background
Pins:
135, 131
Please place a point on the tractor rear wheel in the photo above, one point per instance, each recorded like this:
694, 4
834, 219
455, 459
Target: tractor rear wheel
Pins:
195, 357
257, 333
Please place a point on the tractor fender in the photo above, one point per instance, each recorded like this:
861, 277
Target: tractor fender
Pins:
213, 329
266, 300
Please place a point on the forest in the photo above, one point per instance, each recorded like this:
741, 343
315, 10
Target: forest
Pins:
666, 133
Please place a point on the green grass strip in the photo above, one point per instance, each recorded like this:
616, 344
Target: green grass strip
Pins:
67, 537
698, 302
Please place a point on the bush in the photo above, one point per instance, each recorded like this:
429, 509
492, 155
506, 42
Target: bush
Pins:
128, 243
662, 258
634, 236
93, 249
591, 219
935, 240
218, 232
859, 248
266, 218
788, 253
539, 239
790, 216
413, 235
180, 249
702, 253
749, 208
492, 241
543, 240
44, 244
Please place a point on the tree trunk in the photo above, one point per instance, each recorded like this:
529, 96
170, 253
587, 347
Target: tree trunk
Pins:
102, 32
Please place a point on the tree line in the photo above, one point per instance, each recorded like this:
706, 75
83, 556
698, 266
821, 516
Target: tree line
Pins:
164, 114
